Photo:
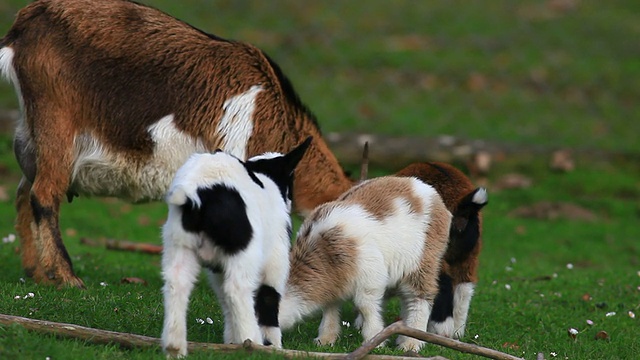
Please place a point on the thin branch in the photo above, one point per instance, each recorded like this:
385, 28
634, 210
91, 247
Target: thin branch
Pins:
399, 327
124, 245
130, 341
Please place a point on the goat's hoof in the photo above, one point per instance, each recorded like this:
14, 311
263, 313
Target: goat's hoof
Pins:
325, 340
174, 352
410, 345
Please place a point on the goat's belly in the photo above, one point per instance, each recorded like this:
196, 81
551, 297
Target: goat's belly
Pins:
100, 172
134, 182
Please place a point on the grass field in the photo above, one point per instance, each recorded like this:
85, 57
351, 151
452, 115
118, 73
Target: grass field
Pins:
525, 72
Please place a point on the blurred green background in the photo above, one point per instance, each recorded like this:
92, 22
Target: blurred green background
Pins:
544, 73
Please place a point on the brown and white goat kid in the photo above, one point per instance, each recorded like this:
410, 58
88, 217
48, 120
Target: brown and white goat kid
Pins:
233, 218
387, 232
459, 273
116, 95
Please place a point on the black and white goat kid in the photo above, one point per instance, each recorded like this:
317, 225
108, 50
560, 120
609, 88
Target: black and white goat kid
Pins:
232, 218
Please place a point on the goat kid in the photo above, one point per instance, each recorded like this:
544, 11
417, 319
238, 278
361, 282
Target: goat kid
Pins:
231, 217
387, 232
459, 274
116, 95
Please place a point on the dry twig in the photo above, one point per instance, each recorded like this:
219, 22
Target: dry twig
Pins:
130, 341
399, 328
124, 245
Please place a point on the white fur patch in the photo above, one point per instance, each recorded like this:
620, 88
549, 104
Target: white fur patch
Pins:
446, 328
99, 172
236, 125
8, 72
461, 301
480, 197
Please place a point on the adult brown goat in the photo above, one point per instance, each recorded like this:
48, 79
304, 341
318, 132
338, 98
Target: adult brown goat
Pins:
116, 95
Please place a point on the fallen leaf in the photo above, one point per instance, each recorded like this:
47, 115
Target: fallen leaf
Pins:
133, 280
602, 335
586, 297
513, 345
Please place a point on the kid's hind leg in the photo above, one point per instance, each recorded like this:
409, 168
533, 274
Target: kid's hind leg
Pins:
269, 294
415, 314
329, 329
369, 303
180, 269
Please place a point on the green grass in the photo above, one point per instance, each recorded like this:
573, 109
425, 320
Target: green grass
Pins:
516, 72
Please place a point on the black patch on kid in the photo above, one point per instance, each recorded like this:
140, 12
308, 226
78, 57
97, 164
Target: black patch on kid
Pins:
267, 304
443, 304
222, 218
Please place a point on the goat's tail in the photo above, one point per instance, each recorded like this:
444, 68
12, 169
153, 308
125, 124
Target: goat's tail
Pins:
177, 196
472, 203
464, 234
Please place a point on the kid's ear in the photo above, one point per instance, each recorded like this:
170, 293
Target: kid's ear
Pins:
294, 156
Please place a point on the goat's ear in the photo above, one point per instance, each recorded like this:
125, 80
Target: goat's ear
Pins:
294, 156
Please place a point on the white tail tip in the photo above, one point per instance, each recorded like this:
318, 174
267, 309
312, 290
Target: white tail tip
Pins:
480, 197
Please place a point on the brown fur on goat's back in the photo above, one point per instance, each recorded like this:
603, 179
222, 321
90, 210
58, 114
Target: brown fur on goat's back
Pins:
323, 269
452, 185
377, 197
130, 62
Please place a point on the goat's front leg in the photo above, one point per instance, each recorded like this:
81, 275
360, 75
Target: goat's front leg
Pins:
180, 269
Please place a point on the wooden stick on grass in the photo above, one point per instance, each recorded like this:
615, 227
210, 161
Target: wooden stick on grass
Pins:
399, 328
124, 245
130, 341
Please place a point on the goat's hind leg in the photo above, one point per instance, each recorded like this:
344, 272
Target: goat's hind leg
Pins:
24, 226
54, 149
180, 269
267, 299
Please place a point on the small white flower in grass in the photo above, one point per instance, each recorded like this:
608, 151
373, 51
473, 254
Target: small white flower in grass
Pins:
554, 354
513, 260
569, 266
476, 336
29, 295
611, 313
346, 324
496, 281
199, 321
555, 275
103, 283
209, 320
17, 297
507, 286
632, 315
508, 268
22, 280
9, 238
589, 322
639, 273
